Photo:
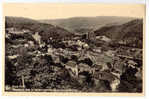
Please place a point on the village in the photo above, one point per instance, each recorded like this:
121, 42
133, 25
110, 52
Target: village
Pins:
72, 64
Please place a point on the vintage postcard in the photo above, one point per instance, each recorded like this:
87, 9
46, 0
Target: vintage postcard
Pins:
73, 49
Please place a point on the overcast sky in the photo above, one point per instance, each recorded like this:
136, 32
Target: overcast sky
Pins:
63, 10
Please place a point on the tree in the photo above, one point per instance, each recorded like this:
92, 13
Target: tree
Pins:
24, 66
9, 73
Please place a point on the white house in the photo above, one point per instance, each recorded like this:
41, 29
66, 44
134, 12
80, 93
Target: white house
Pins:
103, 38
37, 37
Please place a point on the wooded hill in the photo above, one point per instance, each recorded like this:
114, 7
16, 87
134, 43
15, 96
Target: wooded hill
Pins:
45, 30
85, 24
130, 33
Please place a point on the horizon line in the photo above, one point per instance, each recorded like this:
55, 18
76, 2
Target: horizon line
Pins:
73, 17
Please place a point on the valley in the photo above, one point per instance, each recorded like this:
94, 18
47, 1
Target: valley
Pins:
52, 58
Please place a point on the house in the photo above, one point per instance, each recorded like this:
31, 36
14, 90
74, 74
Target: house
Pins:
14, 31
103, 38
13, 56
37, 37
73, 67
31, 43
110, 53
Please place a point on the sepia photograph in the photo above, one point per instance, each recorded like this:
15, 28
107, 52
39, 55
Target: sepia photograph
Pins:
73, 48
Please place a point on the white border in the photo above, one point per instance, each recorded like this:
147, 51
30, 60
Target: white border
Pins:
83, 1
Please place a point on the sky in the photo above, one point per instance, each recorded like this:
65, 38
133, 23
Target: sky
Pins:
67, 10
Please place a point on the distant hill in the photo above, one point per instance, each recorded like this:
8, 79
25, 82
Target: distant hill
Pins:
120, 29
130, 32
45, 30
11, 21
83, 24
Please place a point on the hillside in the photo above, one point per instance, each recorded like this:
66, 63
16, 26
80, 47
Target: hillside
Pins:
41, 57
45, 30
83, 24
12, 21
130, 33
